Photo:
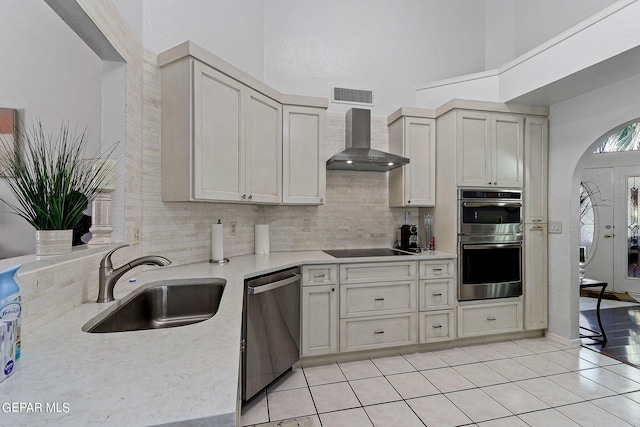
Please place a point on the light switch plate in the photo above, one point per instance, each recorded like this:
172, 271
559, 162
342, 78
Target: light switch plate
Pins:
555, 227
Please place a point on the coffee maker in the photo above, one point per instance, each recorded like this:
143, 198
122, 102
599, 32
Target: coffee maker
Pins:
409, 239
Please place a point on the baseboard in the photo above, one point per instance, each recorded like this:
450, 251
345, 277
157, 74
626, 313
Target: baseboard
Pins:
562, 340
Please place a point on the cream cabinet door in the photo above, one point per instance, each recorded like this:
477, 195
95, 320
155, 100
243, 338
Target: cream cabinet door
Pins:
263, 124
536, 167
303, 144
218, 136
320, 320
507, 151
415, 183
474, 149
535, 276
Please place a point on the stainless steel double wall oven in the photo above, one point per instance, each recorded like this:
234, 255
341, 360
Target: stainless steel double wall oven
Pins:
490, 244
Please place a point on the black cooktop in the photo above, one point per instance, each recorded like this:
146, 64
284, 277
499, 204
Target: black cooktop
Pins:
351, 253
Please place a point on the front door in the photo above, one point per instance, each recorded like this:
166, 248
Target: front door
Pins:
613, 255
626, 264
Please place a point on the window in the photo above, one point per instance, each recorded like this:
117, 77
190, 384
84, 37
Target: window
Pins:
587, 220
626, 139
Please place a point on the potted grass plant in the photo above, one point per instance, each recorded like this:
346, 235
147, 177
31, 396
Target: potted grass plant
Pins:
52, 181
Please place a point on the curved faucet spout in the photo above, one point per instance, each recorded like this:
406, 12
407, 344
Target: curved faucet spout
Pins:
108, 276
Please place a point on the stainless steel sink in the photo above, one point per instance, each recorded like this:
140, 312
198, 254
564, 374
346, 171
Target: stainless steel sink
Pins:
161, 304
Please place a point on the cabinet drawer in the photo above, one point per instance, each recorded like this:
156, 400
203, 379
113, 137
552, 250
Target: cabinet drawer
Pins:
379, 298
437, 269
319, 274
377, 272
377, 332
486, 319
436, 294
436, 326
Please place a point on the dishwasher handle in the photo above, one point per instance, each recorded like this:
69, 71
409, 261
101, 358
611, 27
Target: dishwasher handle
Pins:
254, 290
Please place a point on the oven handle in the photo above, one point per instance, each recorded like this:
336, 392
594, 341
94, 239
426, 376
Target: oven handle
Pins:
487, 205
472, 246
254, 290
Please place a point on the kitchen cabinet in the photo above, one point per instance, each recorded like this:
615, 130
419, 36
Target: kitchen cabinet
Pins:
483, 318
234, 151
489, 149
303, 141
413, 185
223, 138
377, 305
536, 169
320, 311
436, 301
535, 276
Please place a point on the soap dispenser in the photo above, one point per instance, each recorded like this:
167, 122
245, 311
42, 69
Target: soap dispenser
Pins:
10, 301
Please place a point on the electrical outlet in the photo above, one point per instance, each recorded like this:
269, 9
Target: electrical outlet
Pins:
233, 225
306, 225
135, 235
555, 227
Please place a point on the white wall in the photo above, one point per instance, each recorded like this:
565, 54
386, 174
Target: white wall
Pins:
576, 126
515, 27
46, 72
233, 30
384, 46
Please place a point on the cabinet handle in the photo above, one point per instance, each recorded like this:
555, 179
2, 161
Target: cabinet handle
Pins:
437, 269
608, 236
333, 289
317, 276
536, 227
321, 199
408, 201
437, 295
378, 299
491, 318
378, 332
250, 197
244, 196
437, 326
490, 183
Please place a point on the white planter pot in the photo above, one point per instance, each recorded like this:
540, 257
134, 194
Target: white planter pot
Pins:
53, 242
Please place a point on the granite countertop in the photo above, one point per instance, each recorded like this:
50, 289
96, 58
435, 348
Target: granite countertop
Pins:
186, 374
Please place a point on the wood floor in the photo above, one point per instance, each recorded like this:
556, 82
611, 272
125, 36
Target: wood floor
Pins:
622, 327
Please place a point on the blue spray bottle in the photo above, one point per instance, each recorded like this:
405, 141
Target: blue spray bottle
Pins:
10, 301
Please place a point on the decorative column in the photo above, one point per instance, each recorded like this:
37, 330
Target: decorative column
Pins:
101, 226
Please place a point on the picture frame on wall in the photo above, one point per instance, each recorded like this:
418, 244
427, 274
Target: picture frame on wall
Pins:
8, 134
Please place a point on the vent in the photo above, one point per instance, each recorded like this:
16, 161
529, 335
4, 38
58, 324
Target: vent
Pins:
352, 96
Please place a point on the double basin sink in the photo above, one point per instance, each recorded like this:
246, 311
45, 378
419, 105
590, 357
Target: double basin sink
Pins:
161, 304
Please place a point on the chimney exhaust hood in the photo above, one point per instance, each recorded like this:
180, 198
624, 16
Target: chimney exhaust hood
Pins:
359, 155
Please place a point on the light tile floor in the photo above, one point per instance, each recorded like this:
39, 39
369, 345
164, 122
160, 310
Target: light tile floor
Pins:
532, 382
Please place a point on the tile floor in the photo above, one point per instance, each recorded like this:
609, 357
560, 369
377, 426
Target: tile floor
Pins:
621, 321
532, 382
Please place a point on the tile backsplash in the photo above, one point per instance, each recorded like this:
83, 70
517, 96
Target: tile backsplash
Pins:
356, 213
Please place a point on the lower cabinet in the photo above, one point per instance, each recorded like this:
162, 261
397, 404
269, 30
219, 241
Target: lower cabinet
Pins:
436, 326
492, 318
320, 311
366, 333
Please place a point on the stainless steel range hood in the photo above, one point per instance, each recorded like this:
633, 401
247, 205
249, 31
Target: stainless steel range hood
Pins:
359, 155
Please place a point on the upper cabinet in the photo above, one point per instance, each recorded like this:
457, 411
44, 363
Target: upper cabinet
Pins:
304, 175
490, 149
536, 169
415, 183
223, 139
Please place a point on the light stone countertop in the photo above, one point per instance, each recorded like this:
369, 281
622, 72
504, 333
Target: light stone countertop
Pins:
187, 374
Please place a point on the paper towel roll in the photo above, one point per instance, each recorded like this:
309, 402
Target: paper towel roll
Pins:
217, 250
262, 239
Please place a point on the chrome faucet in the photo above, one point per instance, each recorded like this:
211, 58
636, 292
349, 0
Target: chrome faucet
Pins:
108, 276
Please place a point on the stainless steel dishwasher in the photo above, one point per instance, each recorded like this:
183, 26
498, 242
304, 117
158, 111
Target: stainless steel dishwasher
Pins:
271, 328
